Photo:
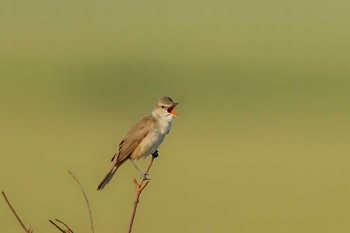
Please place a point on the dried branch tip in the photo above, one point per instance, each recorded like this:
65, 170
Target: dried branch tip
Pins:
67, 230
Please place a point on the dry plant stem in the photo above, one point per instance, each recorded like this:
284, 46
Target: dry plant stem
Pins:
68, 230
59, 228
139, 187
86, 200
28, 230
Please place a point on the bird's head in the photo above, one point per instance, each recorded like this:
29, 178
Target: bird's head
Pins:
164, 108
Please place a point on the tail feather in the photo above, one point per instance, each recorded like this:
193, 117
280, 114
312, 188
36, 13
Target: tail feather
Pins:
108, 177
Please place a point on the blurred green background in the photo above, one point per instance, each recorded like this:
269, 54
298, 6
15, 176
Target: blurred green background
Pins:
263, 140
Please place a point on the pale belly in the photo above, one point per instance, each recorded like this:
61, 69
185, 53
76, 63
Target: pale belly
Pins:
148, 145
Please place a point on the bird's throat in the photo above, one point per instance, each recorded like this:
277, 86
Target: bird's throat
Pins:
165, 124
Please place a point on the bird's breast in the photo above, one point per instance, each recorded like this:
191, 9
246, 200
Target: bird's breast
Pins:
153, 139
148, 145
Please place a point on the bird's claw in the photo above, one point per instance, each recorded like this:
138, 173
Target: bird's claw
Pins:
155, 154
144, 176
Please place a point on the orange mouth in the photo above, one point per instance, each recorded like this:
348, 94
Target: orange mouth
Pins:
171, 110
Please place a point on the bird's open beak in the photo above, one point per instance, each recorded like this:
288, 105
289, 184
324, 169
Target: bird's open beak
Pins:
171, 110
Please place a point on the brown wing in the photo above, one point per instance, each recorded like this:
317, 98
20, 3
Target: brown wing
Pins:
133, 138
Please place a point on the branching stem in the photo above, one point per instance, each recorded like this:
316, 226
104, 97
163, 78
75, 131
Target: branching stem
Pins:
139, 187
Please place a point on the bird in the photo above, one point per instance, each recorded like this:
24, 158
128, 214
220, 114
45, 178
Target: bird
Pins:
143, 138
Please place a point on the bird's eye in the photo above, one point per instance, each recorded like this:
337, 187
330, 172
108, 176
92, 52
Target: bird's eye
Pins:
162, 106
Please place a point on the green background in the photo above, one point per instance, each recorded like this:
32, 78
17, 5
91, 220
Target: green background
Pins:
262, 145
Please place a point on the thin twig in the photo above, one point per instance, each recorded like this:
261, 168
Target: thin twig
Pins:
139, 187
68, 228
87, 201
59, 228
28, 230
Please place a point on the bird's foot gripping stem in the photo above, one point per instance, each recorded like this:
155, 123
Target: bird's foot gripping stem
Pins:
155, 154
143, 176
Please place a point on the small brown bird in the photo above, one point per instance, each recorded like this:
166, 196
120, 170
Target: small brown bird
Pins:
143, 138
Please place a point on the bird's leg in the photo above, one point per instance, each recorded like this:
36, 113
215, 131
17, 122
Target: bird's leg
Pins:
155, 154
142, 174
